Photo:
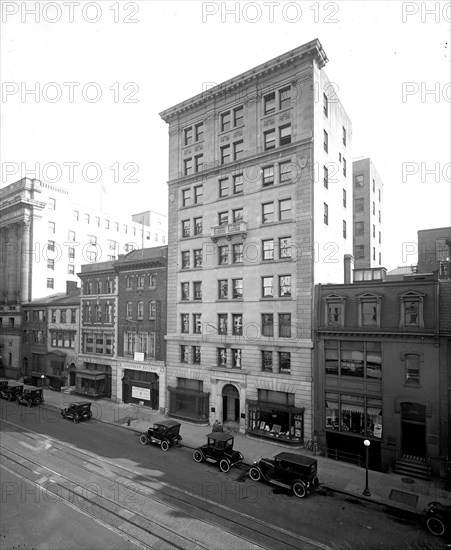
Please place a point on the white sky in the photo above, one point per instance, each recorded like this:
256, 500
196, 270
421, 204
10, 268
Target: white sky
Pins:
175, 47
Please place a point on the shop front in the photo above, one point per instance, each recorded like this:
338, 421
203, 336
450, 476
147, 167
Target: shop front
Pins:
93, 381
141, 387
277, 421
188, 400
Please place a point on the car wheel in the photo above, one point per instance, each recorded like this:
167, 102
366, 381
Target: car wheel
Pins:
75, 418
143, 439
436, 526
37, 401
62, 415
224, 465
197, 455
164, 445
254, 474
177, 443
299, 489
29, 403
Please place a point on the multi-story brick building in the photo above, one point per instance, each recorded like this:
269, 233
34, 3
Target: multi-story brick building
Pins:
382, 371
141, 322
260, 207
368, 213
434, 251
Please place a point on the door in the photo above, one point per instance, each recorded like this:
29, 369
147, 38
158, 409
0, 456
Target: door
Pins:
413, 429
230, 404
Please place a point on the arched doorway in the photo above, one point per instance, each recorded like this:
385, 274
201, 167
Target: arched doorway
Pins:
230, 404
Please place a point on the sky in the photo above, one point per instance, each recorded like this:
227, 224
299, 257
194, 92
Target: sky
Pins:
83, 83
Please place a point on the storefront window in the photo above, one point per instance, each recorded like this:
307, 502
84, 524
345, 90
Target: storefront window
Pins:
358, 359
353, 414
275, 420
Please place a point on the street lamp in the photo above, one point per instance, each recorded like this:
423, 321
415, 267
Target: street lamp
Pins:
367, 444
42, 380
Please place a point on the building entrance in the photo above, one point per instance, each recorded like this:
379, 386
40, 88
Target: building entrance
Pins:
413, 430
230, 404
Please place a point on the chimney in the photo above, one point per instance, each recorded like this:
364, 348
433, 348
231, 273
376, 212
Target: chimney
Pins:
71, 286
348, 268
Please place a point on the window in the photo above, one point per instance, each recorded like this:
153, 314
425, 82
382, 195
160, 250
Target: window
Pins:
188, 136
326, 214
50, 283
359, 205
268, 212
76, 215
284, 247
374, 185
238, 150
198, 228
359, 251
196, 355
412, 366
153, 280
344, 198
284, 209
107, 224
268, 287
222, 357
334, 312
184, 323
269, 138
357, 359
269, 103
197, 257
108, 313
129, 310
285, 134
238, 183
185, 260
374, 230
222, 323
222, 289
198, 193
92, 239
379, 216
284, 325
199, 131
223, 218
344, 229
98, 313
284, 361
344, 135
97, 220
238, 116
236, 358
197, 323
411, 310
184, 291
70, 269
344, 167
237, 289
87, 218
358, 180
225, 154
380, 237
128, 282
51, 204
51, 264
267, 361
152, 310
186, 197
285, 171
268, 249
223, 254
369, 310
379, 195
326, 141
186, 229
267, 324
267, 175
237, 215
51, 227
325, 105
237, 324
284, 97
184, 354
374, 208
237, 253
197, 290
198, 164
374, 253
285, 286
326, 177
223, 187
51, 246
140, 281
225, 121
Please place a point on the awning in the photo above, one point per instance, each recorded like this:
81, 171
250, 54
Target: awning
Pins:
331, 405
90, 374
352, 408
274, 407
374, 412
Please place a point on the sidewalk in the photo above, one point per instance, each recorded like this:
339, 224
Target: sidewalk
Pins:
392, 490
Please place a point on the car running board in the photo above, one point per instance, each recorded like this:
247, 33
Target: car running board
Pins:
280, 484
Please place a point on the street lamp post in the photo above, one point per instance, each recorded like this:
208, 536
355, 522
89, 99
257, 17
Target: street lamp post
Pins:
367, 444
42, 380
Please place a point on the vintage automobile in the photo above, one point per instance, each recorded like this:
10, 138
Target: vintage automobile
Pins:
288, 470
164, 433
438, 519
10, 389
80, 410
219, 450
31, 395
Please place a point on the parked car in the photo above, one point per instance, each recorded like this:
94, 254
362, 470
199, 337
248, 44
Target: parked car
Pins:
288, 470
10, 389
31, 395
219, 450
164, 433
438, 519
81, 410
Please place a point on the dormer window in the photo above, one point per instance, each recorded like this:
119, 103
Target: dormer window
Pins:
334, 310
411, 314
369, 310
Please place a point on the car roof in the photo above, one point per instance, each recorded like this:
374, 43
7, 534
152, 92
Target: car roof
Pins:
220, 436
167, 423
296, 459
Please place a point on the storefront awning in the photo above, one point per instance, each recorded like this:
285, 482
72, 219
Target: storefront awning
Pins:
268, 406
90, 374
374, 412
352, 408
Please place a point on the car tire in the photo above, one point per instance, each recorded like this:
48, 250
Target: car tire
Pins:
143, 439
62, 415
436, 526
255, 474
164, 445
29, 404
75, 419
37, 401
224, 465
299, 489
177, 443
197, 456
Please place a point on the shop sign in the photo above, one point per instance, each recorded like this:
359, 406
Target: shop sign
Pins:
141, 393
142, 367
139, 356
377, 432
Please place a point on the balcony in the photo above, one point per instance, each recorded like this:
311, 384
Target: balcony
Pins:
228, 230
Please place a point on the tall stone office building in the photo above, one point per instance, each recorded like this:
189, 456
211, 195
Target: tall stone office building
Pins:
260, 209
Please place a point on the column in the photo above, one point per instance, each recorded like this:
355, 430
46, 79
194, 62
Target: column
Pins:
3, 279
12, 263
24, 265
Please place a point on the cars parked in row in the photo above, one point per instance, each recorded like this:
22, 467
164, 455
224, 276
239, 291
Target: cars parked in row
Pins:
219, 450
10, 389
80, 410
164, 433
30, 395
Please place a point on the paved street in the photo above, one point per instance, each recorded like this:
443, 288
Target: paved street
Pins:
107, 473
